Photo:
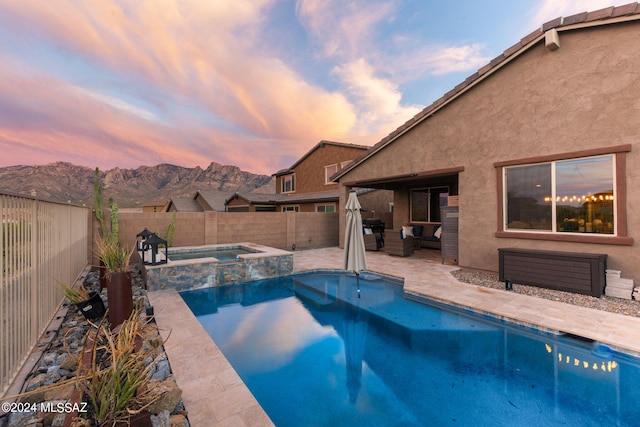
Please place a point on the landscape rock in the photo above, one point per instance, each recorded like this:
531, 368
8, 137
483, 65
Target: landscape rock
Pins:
161, 420
42, 380
169, 395
162, 369
69, 364
178, 420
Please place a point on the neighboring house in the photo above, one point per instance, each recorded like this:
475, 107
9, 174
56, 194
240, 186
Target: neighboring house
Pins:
212, 200
313, 171
183, 204
541, 146
203, 200
306, 186
322, 201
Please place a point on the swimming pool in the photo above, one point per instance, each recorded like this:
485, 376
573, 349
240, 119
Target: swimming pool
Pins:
313, 353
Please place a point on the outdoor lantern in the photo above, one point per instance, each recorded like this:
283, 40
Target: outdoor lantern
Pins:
152, 243
141, 237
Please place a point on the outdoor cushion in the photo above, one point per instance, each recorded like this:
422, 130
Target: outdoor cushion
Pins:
407, 231
417, 230
430, 234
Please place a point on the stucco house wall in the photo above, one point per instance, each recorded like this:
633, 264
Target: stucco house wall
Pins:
583, 96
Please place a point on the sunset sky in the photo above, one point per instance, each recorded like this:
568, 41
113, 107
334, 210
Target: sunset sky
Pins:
248, 83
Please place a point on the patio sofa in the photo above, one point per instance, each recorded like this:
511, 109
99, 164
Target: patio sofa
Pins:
428, 235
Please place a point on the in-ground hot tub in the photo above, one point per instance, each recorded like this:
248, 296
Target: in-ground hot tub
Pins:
223, 253
193, 267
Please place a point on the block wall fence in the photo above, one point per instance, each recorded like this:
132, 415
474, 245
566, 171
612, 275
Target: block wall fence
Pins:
282, 230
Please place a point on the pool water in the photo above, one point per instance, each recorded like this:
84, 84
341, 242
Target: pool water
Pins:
222, 254
316, 352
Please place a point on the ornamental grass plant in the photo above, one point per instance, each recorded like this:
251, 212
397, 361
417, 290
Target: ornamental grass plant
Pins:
74, 295
114, 255
117, 376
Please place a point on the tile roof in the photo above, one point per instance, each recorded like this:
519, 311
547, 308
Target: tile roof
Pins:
314, 148
214, 198
608, 15
185, 204
276, 199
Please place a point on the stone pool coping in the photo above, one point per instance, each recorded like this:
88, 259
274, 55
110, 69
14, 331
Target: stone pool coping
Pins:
212, 392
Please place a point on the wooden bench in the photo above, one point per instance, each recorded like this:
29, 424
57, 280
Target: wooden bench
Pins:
580, 273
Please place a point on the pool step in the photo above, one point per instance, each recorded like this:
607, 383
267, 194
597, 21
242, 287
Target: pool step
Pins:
313, 296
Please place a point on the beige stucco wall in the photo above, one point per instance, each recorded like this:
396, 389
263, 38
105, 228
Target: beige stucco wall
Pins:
585, 95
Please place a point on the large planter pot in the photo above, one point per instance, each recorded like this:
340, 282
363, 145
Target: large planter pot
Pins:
141, 419
93, 308
119, 297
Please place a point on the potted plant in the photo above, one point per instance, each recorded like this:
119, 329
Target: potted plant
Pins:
88, 302
115, 258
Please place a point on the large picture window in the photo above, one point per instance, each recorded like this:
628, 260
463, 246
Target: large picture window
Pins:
567, 196
426, 203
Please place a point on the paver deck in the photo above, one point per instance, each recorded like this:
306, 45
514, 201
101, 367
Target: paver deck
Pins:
215, 395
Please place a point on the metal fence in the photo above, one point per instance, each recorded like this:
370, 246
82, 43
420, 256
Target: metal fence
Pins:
42, 243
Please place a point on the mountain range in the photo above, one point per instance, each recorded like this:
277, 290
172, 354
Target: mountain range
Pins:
65, 182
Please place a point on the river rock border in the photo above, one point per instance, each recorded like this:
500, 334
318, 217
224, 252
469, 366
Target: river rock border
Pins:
59, 361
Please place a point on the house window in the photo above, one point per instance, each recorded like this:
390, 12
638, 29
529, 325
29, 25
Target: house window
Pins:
326, 208
426, 203
344, 164
288, 183
564, 196
291, 208
329, 171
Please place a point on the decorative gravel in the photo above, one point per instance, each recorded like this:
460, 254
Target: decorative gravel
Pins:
605, 303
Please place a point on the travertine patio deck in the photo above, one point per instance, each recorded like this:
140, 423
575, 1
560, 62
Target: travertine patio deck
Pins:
214, 395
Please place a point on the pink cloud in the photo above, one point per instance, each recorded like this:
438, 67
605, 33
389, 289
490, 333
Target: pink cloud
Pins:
179, 52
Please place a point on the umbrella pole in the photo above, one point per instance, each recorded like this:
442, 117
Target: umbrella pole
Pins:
358, 283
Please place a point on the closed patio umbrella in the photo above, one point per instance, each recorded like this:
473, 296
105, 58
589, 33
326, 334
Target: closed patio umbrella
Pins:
354, 256
355, 338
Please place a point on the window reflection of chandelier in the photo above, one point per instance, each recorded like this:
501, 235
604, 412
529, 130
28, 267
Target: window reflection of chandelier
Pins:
595, 365
585, 199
